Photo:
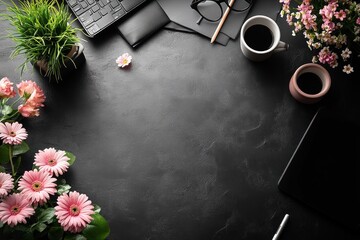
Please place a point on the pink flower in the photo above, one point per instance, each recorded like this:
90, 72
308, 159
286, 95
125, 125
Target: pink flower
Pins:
14, 209
28, 110
340, 15
37, 186
6, 88
34, 98
12, 133
124, 60
6, 184
74, 211
358, 21
52, 161
30, 90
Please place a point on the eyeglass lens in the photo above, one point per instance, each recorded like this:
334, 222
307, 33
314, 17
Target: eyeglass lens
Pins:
210, 10
240, 5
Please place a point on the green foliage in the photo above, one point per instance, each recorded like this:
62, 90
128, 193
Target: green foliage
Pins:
72, 158
11, 154
98, 229
42, 31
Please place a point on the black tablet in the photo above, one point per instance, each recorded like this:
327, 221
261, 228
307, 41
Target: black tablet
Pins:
324, 171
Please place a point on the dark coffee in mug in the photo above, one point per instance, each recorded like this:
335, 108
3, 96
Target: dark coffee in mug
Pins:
309, 83
258, 37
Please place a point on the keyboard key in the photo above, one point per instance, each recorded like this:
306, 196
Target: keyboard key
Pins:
103, 11
88, 21
80, 11
108, 8
90, 2
105, 2
83, 4
118, 8
119, 14
72, 2
96, 16
114, 3
95, 8
105, 21
85, 16
93, 29
76, 8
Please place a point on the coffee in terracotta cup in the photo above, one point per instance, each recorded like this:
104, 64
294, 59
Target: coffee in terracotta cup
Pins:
310, 83
260, 38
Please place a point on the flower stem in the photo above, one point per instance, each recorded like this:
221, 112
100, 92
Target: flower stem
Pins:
11, 162
17, 100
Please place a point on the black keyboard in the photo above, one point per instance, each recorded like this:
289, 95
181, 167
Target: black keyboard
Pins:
96, 15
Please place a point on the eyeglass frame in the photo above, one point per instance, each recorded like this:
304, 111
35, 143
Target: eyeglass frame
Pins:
195, 3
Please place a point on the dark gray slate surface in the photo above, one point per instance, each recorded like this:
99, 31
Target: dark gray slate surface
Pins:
189, 142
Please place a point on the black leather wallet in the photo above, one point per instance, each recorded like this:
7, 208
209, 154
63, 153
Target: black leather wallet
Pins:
143, 24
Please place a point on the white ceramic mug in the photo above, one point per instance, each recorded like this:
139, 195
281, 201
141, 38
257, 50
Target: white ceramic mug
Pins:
276, 45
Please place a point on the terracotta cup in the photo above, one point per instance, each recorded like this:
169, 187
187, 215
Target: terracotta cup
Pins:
308, 98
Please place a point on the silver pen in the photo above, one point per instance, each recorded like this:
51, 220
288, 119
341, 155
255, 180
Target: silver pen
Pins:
281, 227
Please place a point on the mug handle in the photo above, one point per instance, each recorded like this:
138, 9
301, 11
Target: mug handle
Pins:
281, 47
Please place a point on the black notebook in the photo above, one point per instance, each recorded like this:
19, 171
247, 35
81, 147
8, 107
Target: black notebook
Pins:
324, 171
143, 24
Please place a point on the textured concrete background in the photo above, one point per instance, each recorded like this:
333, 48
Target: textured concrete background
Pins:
189, 142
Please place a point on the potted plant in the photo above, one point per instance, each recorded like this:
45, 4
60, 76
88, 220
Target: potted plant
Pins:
43, 32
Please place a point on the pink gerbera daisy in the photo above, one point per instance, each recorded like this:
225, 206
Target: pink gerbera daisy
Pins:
52, 161
6, 184
74, 211
14, 209
12, 133
37, 186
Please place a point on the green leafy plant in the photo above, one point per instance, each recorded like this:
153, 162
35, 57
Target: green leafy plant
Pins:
43, 32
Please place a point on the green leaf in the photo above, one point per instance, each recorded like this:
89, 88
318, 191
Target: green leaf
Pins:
20, 149
4, 154
40, 227
46, 215
98, 229
1, 224
63, 189
7, 110
17, 163
75, 237
97, 208
55, 233
72, 158
2, 169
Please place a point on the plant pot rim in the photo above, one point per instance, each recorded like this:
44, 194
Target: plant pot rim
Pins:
320, 71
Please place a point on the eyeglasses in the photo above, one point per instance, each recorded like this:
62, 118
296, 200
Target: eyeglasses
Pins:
212, 11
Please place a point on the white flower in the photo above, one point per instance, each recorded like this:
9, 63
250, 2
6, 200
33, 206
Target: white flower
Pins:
316, 45
345, 54
348, 69
124, 60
